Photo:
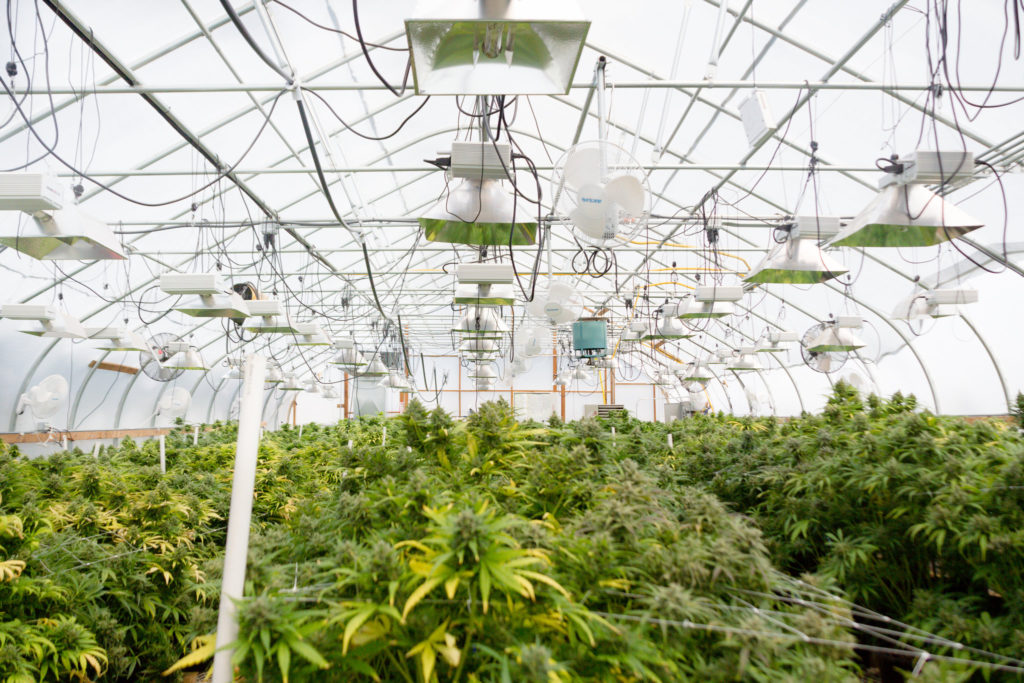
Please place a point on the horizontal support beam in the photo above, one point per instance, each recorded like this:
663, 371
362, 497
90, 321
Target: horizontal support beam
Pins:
89, 435
631, 85
420, 169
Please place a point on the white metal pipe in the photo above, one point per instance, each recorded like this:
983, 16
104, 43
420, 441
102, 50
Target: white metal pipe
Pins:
163, 454
240, 514
712, 69
673, 75
619, 85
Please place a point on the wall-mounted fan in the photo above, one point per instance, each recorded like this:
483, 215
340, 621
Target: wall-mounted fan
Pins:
821, 361
173, 404
44, 399
152, 362
559, 304
603, 189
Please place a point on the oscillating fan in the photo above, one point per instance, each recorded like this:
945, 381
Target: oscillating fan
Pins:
44, 399
174, 404
533, 340
559, 304
603, 189
152, 362
822, 361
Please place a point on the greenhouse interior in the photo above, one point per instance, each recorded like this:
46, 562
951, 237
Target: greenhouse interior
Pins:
512, 341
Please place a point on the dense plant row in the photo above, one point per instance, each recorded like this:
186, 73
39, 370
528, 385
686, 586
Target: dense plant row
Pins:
487, 549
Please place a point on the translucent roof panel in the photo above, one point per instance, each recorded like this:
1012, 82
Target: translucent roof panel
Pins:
177, 133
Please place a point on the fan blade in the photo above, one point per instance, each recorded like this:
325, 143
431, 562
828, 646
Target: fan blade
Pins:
589, 220
627, 192
582, 167
536, 307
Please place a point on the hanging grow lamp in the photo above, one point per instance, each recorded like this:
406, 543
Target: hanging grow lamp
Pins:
905, 213
267, 316
776, 339
210, 296
481, 322
65, 235
798, 261
118, 339
747, 361
478, 212
50, 322
837, 336
185, 357
483, 47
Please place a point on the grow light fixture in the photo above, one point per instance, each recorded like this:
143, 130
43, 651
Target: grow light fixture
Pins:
479, 212
483, 47
310, 334
485, 295
312, 386
668, 327
375, 368
905, 213
776, 339
837, 336
290, 383
797, 260
185, 357
270, 318
50, 322
722, 356
65, 235
210, 297
118, 339
698, 374
484, 384
747, 361
710, 302
482, 371
274, 375
396, 380
350, 357
937, 303
581, 374
481, 322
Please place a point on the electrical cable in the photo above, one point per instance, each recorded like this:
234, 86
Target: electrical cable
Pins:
114, 192
369, 60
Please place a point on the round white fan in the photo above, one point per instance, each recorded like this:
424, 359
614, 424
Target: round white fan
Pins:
152, 363
603, 189
559, 304
174, 404
533, 340
825, 361
45, 398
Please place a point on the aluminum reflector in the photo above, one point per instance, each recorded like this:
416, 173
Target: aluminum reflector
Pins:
478, 212
796, 261
487, 47
906, 216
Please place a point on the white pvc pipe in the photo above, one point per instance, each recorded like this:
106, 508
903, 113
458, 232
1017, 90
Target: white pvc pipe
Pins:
240, 514
195, 436
163, 454
96, 450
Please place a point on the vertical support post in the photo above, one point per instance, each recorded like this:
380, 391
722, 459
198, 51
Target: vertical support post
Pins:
96, 450
344, 403
240, 514
163, 454
195, 436
384, 436
654, 402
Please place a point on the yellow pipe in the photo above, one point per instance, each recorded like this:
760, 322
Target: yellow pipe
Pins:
690, 246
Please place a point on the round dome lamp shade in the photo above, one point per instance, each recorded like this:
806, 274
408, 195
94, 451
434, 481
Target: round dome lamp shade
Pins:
478, 212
